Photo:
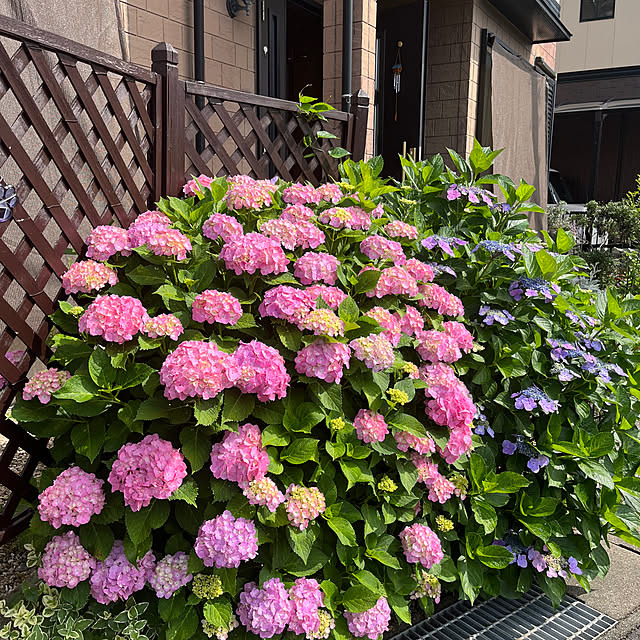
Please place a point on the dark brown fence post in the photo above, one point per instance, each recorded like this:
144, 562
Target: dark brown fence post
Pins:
164, 60
360, 111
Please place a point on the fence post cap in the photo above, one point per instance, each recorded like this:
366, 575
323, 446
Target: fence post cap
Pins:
164, 52
360, 97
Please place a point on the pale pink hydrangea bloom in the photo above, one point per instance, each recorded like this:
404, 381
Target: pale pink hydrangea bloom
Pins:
293, 233
378, 212
148, 469
170, 574
330, 193
371, 623
224, 542
195, 186
240, 457
421, 271
323, 322
306, 598
441, 489
297, 213
197, 370
14, 358
399, 229
317, 267
299, 193
87, 276
43, 384
287, 303
117, 579
267, 611
323, 360
169, 242
375, 351
459, 444
303, 505
72, 499
389, 322
460, 334
411, 322
438, 375
254, 252
395, 281
346, 218
326, 626
216, 306
421, 545
222, 226
65, 562
105, 241
261, 371
166, 324
377, 247
147, 225
360, 219
406, 441
427, 469
331, 295
370, 426
250, 195
115, 318
445, 303
437, 346
264, 492
240, 179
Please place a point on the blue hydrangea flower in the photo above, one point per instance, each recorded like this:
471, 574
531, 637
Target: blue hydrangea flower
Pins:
533, 397
536, 460
507, 250
533, 288
580, 319
501, 207
439, 269
502, 317
567, 352
445, 243
481, 423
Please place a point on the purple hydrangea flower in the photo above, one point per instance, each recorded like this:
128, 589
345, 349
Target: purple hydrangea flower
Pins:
439, 269
481, 423
536, 460
573, 566
582, 320
508, 447
501, 207
537, 560
533, 288
532, 397
473, 194
502, 317
445, 243
535, 464
507, 250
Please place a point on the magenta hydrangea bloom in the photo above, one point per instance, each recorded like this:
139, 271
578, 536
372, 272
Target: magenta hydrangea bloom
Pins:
375, 351
297, 213
395, 281
421, 271
115, 318
261, 370
264, 492
170, 574
450, 406
105, 241
331, 295
412, 322
72, 499
65, 562
306, 598
166, 324
287, 303
225, 541
240, 457
460, 334
146, 226
371, 623
317, 267
169, 242
421, 545
195, 186
148, 469
44, 384
399, 229
216, 306
222, 226
301, 194
303, 505
117, 579
377, 247
330, 193
406, 441
323, 360
390, 323
370, 426
323, 322
445, 303
267, 611
254, 252
197, 370
87, 276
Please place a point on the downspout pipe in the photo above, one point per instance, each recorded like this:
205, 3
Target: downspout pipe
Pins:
198, 60
347, 52
423, 78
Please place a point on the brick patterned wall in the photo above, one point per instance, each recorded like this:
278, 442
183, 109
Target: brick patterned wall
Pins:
229, 44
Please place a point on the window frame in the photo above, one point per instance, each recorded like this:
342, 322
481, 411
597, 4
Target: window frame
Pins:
583, 19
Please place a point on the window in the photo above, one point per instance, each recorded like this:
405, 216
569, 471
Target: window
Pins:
596, 9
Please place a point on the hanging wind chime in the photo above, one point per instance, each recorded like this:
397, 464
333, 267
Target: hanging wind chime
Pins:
397, 70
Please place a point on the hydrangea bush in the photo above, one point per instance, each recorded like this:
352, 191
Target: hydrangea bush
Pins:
281, 409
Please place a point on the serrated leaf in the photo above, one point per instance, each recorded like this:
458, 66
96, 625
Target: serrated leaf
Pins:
187, 491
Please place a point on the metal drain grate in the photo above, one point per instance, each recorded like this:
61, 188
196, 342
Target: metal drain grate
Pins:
532, 617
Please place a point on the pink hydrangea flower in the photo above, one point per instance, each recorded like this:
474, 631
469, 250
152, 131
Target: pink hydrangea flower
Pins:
421, 545
395, 281
427, 468
346, 218
261, 371
240, 457
250, 195
87, 276
437, 346
441, 489
371, 623
459, 333
389, 322
297, 213
222, 226
216, 306
301, 194
195, 186
330, 193
445, 303
117, 579
224, 542
43, 384
377, 247
306, 598
115, 318
105, 241
293, 233
254, 252
65, 562
378, 212
287, 303
370, 426
170, 574
331, 295
264, 492
148, 469
267, 611
459, 444
14, 358
169, 242
303, 505
72, 499
375, 351
406, 441
197, 370
421, 271
450, 405
399, 229
411, 322
323, 360
146, 226
317, 267
323, 322
166, 324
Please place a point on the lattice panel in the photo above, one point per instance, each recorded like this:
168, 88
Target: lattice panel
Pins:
77, 140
